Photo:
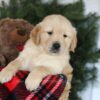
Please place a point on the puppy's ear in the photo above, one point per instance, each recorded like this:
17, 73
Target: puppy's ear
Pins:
35, 34
74, 42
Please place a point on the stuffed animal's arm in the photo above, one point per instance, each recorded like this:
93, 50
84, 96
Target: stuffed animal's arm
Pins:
2, 60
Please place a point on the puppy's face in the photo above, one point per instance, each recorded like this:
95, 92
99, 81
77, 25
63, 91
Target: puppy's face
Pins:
55, 35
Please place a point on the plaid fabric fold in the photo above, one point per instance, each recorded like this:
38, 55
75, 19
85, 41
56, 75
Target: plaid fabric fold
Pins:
50, 88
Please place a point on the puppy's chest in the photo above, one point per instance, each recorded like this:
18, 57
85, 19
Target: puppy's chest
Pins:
51, 62
45, 60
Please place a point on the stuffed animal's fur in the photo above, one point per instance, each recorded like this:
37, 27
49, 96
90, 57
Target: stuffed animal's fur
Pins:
12, 33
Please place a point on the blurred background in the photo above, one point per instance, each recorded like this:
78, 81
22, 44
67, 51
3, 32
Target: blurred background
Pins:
84, 15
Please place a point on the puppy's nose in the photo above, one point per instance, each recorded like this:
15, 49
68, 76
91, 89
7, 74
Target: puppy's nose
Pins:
56, 45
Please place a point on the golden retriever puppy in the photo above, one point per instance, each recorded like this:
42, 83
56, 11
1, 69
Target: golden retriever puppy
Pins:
46, 52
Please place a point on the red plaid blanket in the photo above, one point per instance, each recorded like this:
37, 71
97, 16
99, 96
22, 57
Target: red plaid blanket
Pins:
50, 88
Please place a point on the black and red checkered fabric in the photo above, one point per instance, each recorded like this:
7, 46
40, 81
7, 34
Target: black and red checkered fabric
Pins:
50, 88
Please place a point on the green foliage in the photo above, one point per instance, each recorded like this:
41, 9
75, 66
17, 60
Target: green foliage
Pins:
86, 52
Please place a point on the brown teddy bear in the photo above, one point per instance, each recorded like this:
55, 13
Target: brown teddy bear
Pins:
12, 33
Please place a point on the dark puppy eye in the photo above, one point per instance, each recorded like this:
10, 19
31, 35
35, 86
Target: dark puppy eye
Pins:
65, 35
50, 33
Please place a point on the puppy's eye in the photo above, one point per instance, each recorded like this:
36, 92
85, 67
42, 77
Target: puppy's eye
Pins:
65, 35
50, 33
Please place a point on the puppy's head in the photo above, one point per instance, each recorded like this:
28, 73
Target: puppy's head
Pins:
55, 34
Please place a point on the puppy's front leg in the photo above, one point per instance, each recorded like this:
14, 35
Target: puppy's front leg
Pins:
35, 77
9, 71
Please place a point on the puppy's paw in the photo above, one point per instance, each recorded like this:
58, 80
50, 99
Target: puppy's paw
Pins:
6, 75
32, 82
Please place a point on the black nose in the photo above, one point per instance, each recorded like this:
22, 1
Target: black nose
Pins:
56, 46
21, 32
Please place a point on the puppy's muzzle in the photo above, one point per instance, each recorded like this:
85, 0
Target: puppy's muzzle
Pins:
55, 47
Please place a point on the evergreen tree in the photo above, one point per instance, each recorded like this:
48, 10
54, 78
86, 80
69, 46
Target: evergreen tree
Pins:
87, 27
